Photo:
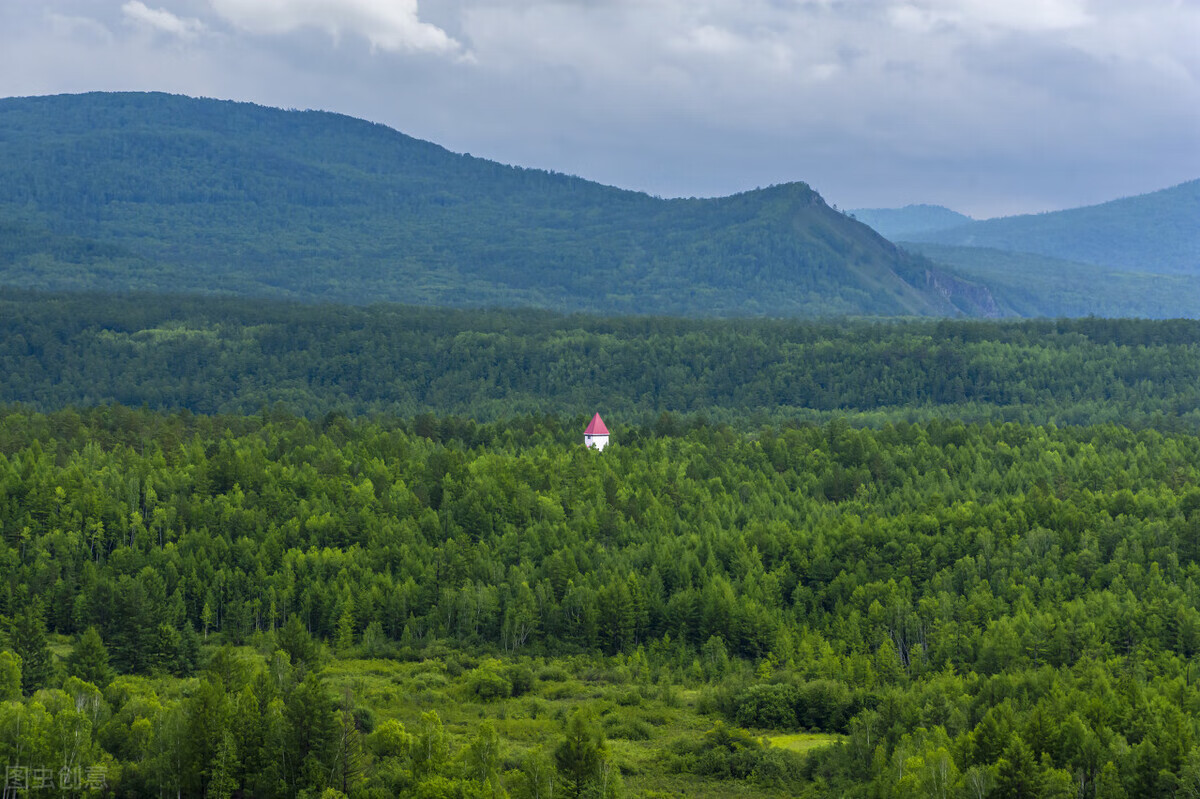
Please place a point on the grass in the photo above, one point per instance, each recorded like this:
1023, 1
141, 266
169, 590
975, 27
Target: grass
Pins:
661, 718
804, 742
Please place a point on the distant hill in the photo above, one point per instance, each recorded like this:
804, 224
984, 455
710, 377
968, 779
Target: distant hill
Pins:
168, 193
898, 223
1157, 232
1037, 285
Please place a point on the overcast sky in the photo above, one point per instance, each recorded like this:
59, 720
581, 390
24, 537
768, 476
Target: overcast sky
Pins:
987, 106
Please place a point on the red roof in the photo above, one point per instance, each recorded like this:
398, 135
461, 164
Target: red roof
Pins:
596, 428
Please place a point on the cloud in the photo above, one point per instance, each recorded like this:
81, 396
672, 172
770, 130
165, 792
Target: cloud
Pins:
161, 20
391, 25
983, 105
925, 16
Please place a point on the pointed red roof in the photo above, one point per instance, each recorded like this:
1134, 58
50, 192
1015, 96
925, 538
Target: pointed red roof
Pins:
596, 428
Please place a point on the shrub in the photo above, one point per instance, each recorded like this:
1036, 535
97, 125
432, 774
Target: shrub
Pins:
771, 706
520, 676
488, 681
629, 729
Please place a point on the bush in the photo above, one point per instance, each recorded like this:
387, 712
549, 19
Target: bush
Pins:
520, 677
777, 769
488, 682
629, 697
819, 705
553, 674
628, 729
770, 706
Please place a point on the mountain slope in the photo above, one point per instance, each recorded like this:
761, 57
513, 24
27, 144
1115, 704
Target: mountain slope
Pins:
896, 224
1156, 232
1037, 285
177, 194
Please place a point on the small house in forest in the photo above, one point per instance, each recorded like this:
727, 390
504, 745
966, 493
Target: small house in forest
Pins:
596, 434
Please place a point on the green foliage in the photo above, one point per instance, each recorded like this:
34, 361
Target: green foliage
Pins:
10, 676
29, 643
995, 606
582, 758
89, 659
298, 643
661, 375
390, 739
488, 681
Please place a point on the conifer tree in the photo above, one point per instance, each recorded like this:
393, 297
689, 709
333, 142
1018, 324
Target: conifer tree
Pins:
344, 636
579, 756
29, 643
89, 659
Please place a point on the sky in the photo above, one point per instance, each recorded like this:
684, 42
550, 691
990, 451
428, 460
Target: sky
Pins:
989, 107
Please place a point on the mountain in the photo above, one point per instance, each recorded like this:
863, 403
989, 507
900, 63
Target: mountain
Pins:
1157, 233
168, 193
899, 224
1037, 285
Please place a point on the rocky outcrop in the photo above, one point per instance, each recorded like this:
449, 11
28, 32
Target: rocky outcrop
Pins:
971, 299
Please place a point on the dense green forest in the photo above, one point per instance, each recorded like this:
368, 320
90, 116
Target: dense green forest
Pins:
266, 549
239, 356
271, 606
165, 193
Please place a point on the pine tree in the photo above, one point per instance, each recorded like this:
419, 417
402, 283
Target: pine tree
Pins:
350, 761
580, 754
164, 655
312, 728
189, 651
89, 659
1017, 773
297, 642
344, 636
29, 642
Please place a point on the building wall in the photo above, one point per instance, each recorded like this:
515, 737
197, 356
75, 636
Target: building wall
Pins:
599, 442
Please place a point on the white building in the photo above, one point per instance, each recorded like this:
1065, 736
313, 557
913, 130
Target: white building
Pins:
596, 434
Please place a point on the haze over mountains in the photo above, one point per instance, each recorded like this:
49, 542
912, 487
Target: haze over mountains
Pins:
1157, 232
168, 193
1136, 256
899, 224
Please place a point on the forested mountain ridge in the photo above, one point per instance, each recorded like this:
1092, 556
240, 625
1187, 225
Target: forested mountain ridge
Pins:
1155, 232
169, 193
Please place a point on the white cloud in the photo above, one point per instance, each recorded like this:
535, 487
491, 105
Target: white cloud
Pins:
161, 20
1034, 103
1031, 16
391, 25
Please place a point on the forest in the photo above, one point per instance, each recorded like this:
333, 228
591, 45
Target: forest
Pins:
273, 606
239, 356
280, 550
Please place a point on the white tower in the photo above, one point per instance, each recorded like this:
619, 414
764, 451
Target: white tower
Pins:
596, 435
